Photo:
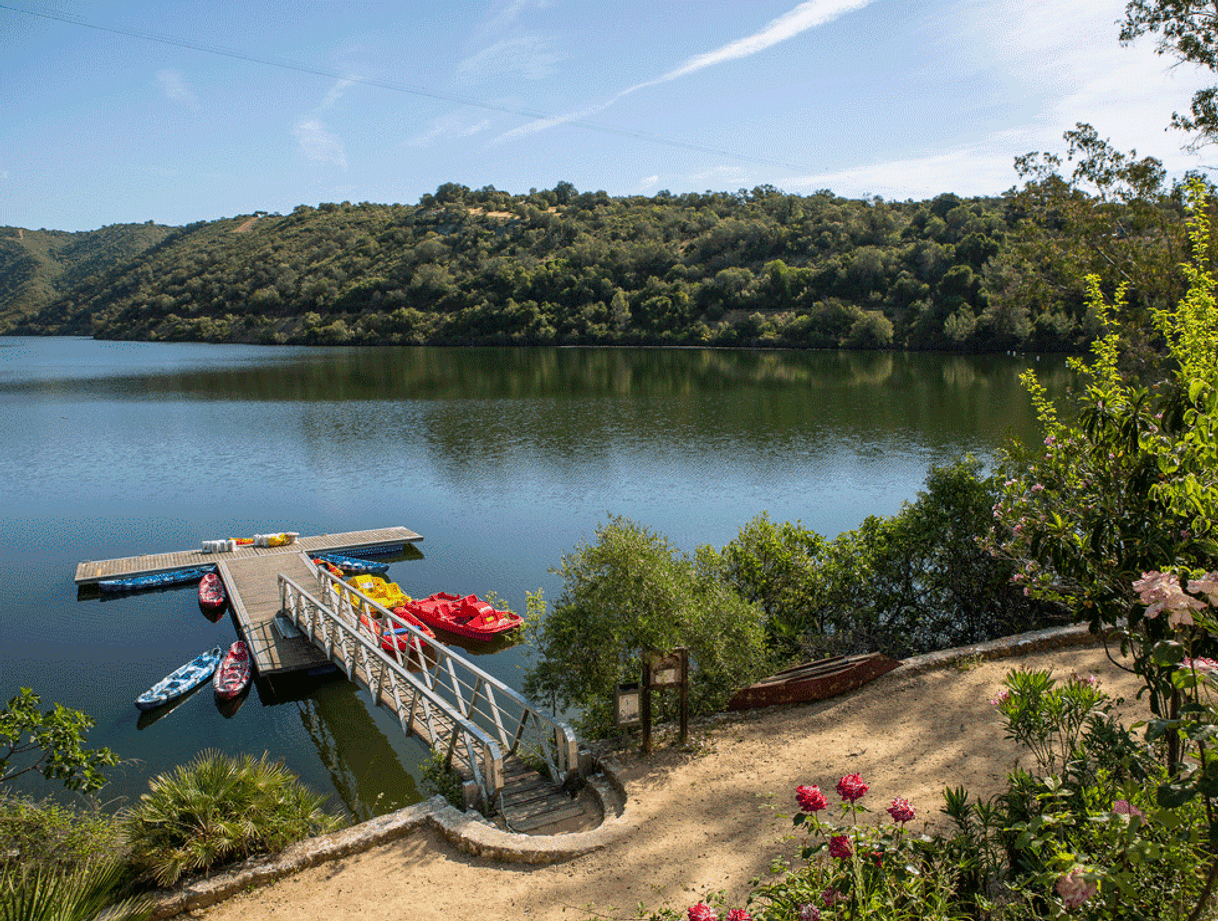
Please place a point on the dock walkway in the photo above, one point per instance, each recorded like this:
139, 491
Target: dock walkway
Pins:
251, 577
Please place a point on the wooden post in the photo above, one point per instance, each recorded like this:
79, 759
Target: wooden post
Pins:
645, 706
684, 733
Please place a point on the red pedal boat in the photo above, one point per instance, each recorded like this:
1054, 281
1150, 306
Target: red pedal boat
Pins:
396, 637
469, 616
212, 596
234, 671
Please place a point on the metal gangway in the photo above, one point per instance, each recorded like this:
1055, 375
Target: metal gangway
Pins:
471, 717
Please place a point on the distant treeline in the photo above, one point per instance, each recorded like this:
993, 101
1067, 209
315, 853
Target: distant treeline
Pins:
753, 268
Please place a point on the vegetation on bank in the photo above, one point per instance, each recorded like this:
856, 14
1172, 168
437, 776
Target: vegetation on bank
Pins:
753, 268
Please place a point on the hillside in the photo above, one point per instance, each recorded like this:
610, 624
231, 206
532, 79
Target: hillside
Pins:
37, 267
756, 267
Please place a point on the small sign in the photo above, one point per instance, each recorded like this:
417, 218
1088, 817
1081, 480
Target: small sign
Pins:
667, 671
627, 711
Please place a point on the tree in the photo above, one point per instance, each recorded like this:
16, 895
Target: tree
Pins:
54, 739
1188, 32
1126, 480
628, 592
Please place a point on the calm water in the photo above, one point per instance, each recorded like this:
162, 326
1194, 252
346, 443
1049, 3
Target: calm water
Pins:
502, 459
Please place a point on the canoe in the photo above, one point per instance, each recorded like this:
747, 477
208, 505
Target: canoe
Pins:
351, 565
469, 616
233, 674
813, 681
176, 683
155, 580
212, 594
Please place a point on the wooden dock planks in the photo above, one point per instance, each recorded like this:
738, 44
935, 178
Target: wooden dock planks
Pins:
91, 571
253, 589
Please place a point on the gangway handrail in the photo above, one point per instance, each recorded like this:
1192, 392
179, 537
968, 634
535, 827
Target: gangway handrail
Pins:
483, 755
505, 713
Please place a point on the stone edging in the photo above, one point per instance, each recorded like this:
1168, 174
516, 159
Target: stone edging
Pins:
472, 834
468, 832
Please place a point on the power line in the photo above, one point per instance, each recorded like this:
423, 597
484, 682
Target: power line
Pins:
163, 39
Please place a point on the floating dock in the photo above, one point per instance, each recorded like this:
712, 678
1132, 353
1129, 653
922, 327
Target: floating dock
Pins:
251, 577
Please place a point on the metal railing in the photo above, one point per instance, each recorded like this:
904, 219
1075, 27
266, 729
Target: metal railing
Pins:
430, 686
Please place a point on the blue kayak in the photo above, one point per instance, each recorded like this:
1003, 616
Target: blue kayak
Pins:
178, 682
351, 565
156, 579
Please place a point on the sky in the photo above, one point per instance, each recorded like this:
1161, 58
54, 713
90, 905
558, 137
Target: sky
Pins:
125, 111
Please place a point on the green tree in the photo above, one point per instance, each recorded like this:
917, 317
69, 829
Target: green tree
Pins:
628, 592
1187, 30
50, 743
1126, 480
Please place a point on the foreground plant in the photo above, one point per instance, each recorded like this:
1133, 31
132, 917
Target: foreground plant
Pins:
217, 810
50, 894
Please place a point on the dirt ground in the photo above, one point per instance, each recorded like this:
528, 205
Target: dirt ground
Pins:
706, 818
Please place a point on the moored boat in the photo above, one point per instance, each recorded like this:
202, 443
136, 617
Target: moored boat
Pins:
394, 636
469, 616
183, 679
212, 594
232, 675
351, 565
386, 594
155, 579
810, 681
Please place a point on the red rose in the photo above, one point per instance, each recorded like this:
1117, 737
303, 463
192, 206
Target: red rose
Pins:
840, 847
851, 788
702, 912
811, 799
901, 810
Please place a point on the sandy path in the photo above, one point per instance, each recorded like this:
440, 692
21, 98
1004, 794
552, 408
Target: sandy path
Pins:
701, 820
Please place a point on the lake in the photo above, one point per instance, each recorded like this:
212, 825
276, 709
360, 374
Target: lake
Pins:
502, 459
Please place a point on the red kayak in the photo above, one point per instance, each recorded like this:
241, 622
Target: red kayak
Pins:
469, 616
234, 671
212, 596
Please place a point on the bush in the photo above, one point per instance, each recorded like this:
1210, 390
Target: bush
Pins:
217, 810
47, 893
55, 836
629, 592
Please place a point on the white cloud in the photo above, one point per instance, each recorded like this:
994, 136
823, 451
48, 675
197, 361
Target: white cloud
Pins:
319, 143
335, 94
452, 125
173, 84
806, 16
528, 56
649, 182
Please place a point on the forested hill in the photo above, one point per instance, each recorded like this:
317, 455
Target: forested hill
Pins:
38, 267
465, 266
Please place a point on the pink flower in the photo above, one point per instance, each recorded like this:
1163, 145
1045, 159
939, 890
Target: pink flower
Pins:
739, 914
702, 912
1124, 807
809, 912
811, 799
839, 847
1200, 664
851, 788
1001, 699
1074, 888
1207, 585
1161, 591
831, 896
901, 810
1038, 487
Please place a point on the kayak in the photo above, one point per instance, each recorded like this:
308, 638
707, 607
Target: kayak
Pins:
351, 565
183, 679
212, 595
233, 674
155, 580
469, 616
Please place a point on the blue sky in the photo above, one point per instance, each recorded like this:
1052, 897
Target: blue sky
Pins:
175, 112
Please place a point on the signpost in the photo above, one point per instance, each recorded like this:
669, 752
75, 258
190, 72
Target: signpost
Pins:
665, 670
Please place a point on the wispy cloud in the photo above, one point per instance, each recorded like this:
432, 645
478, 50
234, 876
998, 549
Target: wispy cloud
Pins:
173, 85
335, 94
447, 126
528, 56
504, 13
319, 143
808, 15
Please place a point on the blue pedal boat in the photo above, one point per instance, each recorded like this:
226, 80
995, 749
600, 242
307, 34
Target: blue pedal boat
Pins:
180, 681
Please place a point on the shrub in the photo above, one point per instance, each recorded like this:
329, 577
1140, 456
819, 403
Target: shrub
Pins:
49, 834
217, 810
50, 894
